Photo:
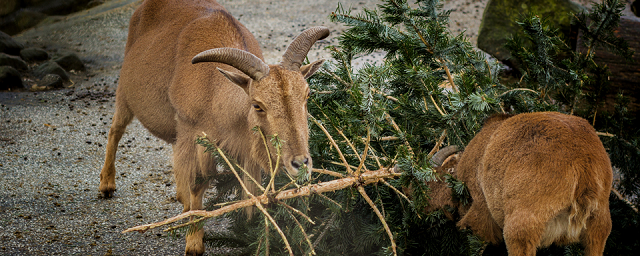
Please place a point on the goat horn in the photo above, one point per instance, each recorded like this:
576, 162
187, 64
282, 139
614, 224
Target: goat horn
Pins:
442, 154
244, 61
300, 46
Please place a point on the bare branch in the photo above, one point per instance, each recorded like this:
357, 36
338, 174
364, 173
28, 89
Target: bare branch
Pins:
323, 187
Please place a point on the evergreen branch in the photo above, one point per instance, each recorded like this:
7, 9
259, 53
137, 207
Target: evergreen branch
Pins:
344, 63
429, 49
384, 222
326, 228
319, 188
333, 143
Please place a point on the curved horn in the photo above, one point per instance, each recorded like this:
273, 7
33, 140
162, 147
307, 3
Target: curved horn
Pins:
442, 154
244, 61
300, 46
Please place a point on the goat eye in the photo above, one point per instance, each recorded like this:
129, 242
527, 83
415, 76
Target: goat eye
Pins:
257, 108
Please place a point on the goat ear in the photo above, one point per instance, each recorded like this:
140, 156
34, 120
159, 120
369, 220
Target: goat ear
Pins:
237, 78
309, 69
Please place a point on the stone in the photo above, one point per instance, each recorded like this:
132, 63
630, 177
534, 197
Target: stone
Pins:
8, 45
8, 6
51, 81
498, 21
70, 62
34, 54
10, 78
13, 61
21, 20
50, 67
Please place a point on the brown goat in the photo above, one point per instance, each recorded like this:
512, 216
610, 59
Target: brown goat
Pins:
535, 179
177, 99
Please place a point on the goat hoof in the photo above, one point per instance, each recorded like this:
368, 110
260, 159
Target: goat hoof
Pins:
194, 253
107, 193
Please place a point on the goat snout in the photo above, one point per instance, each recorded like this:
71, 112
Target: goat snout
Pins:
299, 161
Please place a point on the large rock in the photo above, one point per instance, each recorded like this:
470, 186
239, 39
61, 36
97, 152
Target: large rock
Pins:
498, 21
8, 6
21, 20
13, 61
8, 45
16, 20
70, 61
34, 54
10, 78
50, 67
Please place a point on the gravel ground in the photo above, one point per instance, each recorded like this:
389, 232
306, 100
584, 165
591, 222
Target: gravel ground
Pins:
52, 143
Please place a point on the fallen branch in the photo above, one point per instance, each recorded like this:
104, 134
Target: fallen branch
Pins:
365, 178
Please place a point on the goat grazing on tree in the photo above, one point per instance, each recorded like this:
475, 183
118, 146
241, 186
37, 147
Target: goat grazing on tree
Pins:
535, 179
226, 97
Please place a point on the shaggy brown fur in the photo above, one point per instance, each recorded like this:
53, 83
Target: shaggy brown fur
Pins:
177, 100
535, 179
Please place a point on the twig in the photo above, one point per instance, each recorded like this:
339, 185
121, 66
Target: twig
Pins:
384, 222
333, 143
284, 238
621, 197
338, 78
396, 190
606, 134
266, 236
364, 153
306, 237
332, 173
329, 199
389, 97
326, 228
341, 164
387, 138
348, 143
518, 89
397, 128
438, 144
297, 211
436, 104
